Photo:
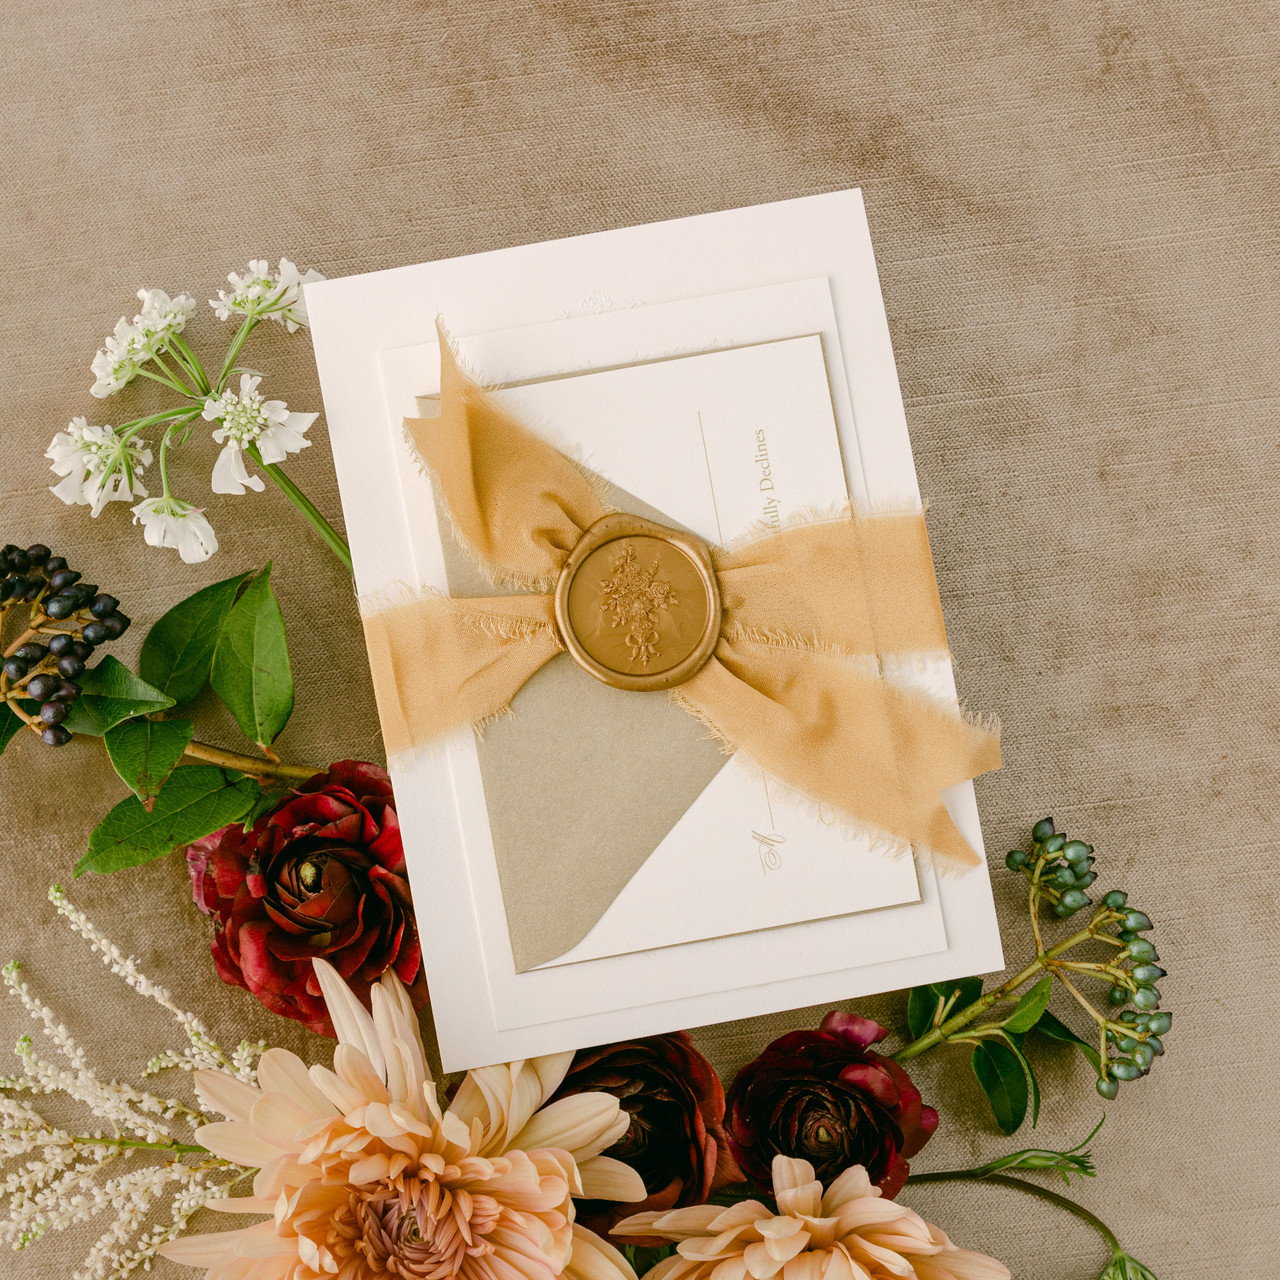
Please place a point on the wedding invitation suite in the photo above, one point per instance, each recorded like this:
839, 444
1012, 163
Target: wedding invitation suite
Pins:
593, 865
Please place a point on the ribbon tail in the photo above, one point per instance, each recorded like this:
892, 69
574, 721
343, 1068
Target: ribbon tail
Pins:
440, 663
844, 738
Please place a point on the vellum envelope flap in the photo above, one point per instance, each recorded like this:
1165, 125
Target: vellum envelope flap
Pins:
583, 781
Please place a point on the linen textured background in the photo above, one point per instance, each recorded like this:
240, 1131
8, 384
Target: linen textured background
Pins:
1074, 211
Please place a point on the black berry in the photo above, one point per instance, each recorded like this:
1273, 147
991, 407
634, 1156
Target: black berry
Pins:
55, 736
55, 712
41, 687
71, 666
96, 633
103, 604
15, 668
38, 553
115, 624
64, 578
61, 643
67, 691
81, 650
60, 607
31, 652
53, 564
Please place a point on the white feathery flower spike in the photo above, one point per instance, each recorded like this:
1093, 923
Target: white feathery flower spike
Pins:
133, 343
246, 419
271, 295
170, 522
97, 466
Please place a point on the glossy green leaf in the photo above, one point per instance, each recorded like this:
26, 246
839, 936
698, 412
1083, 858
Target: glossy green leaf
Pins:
1055, 1030
146, 752
922, 1002
999, 1072
251, 663
110, 693
1030, 1008
193, 802
178, 651
1015, 1041
9, 725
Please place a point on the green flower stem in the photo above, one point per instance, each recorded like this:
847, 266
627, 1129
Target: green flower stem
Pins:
1044, 960
304, 504
1031, 1189
136, 1144
242, 335
189, 361
166, 379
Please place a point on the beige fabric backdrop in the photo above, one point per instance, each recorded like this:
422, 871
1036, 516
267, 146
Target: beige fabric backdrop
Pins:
1074, 211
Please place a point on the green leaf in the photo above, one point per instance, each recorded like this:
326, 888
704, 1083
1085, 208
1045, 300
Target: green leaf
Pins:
146, 752
1016, 1041
1030, 1007
9, 725
1003, 1080
265, 802
251, 663
178, 651
1055, 1030
109, 693
193, 802
922, 1002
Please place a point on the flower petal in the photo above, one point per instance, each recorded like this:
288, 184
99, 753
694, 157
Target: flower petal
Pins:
604, 1178
595, 1259
225, 1093
351, 1021
239, 1143
583, 1125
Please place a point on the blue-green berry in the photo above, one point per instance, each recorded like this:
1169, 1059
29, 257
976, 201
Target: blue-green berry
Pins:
1074, 899
1054, 844
1065, 877
1160, 1023
1142, 1055
1043, 829
1137, 922
1076, 851
1108, 1088
1015, 859
1119, 995
1146, 998
1148, 973
1156, 1045
1115, 899
1142, 949
1123, 1069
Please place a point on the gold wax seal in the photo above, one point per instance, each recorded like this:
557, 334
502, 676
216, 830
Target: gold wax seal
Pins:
637, 603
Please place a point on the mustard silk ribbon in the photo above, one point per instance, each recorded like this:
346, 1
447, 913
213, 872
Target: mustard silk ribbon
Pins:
794, 682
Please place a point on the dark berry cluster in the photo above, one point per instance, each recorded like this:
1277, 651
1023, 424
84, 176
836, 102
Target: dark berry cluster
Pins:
68, 619
1059, 872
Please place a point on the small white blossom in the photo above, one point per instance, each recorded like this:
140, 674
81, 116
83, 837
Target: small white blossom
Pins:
170, 522
246, 418
97, 466
273, 295
132, 344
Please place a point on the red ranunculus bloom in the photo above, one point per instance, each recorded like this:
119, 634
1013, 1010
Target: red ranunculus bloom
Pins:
676, 1140
321, 874
825, 1096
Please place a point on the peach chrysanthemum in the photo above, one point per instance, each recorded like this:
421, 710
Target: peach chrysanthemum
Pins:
850, 1233
367, 1178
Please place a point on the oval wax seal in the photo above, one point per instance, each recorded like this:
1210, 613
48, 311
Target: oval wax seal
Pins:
638, 604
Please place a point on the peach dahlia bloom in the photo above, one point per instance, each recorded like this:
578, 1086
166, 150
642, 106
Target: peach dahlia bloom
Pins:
366, 1177
850, 1233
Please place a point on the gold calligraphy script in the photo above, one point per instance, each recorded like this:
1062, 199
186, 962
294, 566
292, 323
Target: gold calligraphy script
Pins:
636, 596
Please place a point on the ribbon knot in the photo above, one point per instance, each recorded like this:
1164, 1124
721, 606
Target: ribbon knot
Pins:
809, 616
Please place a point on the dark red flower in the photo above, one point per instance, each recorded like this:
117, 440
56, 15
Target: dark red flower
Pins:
676, 1140
321, 874
825, 1096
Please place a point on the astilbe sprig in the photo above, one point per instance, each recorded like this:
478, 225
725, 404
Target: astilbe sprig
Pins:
52, 1179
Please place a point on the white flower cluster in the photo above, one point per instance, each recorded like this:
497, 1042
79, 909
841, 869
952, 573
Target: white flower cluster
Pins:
97, 465
52, 1179
260, 292
135, 342
170, 522
245, 419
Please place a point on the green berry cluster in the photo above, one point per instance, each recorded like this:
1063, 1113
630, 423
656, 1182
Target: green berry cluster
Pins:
1060, 873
